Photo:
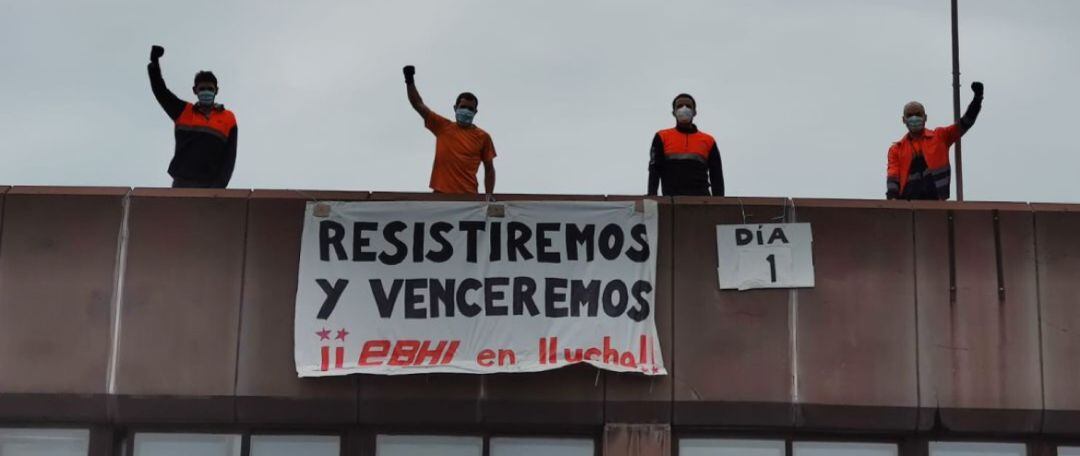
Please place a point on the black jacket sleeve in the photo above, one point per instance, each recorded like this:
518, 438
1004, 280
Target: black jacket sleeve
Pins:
656, 164
172, 105
230, 161
972, 113
716, 172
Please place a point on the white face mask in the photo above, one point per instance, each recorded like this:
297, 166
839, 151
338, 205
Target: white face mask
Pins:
684, 114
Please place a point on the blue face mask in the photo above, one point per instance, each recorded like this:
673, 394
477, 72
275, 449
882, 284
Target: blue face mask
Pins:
206, 97
464, 115
915, 124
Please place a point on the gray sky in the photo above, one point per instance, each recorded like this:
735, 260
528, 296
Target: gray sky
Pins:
804, 97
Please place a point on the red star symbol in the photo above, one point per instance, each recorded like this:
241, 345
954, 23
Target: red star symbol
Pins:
655, 369
324, 334
341, 334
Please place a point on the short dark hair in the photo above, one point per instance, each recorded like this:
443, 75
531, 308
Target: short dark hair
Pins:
466, 96
205, 76
682, 95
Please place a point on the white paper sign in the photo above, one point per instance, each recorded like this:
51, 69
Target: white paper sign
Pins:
469, 287
765, 256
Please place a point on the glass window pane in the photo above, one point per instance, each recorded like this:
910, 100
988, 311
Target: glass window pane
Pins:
730, 447
428, 445
1068, 451
508, 446
148, 444
976, 449
44, 442
290, 445
844, 449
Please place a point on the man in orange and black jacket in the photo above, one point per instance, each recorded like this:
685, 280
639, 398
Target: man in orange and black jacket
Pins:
684, 160
205, 132
918, 164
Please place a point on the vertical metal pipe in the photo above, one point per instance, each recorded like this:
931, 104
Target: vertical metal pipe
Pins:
956, 101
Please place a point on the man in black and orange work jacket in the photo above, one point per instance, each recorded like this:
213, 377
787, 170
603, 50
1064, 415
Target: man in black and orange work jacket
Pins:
684, 160
919, 166
205, 132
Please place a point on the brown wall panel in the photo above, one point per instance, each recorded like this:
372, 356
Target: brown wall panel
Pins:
1059, 295
416, 196
856, 328
572, 395
635, 398
732, 361
932, 256
181, 296
57, 266
267, 387
57, 262
439, 399
979, 351
50, 408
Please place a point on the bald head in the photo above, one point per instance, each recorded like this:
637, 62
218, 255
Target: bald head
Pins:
914, 108
914, 117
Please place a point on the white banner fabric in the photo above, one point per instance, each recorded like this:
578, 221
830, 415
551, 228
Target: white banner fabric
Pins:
469, 287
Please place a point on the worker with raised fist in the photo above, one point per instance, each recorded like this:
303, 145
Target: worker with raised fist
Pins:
205, 131
919, 167
460, 146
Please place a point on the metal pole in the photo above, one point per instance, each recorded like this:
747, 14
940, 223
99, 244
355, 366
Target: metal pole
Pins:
956, 101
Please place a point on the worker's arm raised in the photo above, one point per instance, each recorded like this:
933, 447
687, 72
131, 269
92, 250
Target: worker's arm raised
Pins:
972, 113
414, 96
172, 105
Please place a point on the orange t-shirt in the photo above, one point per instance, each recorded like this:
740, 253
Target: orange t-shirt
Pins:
458, 153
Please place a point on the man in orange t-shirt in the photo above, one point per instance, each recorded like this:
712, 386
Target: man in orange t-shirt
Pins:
460, 146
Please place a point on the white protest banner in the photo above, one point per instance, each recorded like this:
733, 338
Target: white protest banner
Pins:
778, 255
469, 287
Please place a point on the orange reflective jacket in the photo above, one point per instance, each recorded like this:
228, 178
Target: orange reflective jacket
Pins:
686, 146
685, 161
933, 146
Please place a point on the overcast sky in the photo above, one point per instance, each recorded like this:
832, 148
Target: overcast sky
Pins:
804, 97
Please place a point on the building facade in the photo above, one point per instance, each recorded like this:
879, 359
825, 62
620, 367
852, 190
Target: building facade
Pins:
154, 322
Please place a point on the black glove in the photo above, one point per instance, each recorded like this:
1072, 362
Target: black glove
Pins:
977, 87
156, 52
409, 71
